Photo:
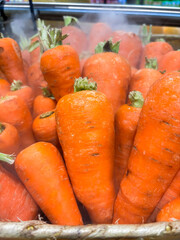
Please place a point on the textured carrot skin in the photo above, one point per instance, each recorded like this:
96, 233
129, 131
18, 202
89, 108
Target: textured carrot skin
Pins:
126, 121
16, 204
4, 87
60, 66
77, 38
14, 111
42, 104
170, 212
155, 156
155, 50
9, 139
172, 192
2, 76
41, 168
143, 79
11, 62
112, 74
170, 62
99, 32
130, 46
44, 129
85, 125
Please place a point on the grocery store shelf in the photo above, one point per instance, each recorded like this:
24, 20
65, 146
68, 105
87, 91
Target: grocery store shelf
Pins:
137, 14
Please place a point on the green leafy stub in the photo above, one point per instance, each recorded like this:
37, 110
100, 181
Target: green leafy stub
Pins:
1, 35
81, 84
24, 43
151, 63
145, 34
47, 93
46, 114
7, 158
70, 20
2, 127
160, 40
136, 99
107, 46
16, 85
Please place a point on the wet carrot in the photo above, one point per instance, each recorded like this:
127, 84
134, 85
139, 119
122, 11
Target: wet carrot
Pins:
4, 87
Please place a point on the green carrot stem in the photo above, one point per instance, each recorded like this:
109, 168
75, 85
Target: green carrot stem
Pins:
2, 127
70, 20
46, 114
151, 63
136, 99
7, 158
16, 85
84, 84
107, 46
47, 93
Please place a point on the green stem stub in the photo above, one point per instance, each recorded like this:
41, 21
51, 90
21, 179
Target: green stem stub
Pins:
107, 46
145, 34
46, 114
47, 93
136, 99
81, 84
16, 85
24, 43
69, 20
160, 40
1, 35
151, 63
7, 158
2, 127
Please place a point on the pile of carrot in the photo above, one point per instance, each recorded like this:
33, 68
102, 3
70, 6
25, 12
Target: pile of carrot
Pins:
89, 120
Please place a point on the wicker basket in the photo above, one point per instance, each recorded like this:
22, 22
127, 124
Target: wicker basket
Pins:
41, 230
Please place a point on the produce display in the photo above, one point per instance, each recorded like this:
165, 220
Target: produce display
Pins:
89, 127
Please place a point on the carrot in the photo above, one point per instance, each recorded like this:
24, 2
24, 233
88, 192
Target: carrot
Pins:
44, 128
170, 212
41, 169
2, 75
43, 103
35, 78
16, 204
126, 121
85, 126
154, 160
130, 46
170, 62
9, 139
111, 72
143, 79
23, 91
35, 51
172, 192
4, 87
99, 32
83, 57
11, 63
133, 70
14, 111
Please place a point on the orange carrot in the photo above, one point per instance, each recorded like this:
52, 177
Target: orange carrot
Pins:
111, 72
170, 211
170, 62
11, 63
85, 125
9, 139
14, 111
16, 204
43, 103
41, 169
126, 121
172, 192
155, 157
2, 75
44, 128
133, 70
4, 87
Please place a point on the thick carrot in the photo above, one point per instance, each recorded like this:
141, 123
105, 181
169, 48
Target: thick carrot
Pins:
16, 204
41, 169
23, 91
11, 63
44, 102
126, 120
172, 192
111, 72
44, 128
2, 75
170, 211
170, 62
14, 111
9, 139
155, 157
4, 87
85, 125
60, 64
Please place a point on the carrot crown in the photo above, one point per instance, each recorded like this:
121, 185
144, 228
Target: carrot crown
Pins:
107, 46
2, 127
160, 40
1, 35
49, 37
136, 99
81, 84
145, 34
47, 93
151, 63
46, 114
70, 20
7, 158
16, 85
24, 43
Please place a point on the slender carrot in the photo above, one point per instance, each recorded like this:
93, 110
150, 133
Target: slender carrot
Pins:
11, 63
155, 157
14, 111
4, 87
9, 139
126, 121
170, 212
41, 169
44, 102
85, 125
16, 204
172, 192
